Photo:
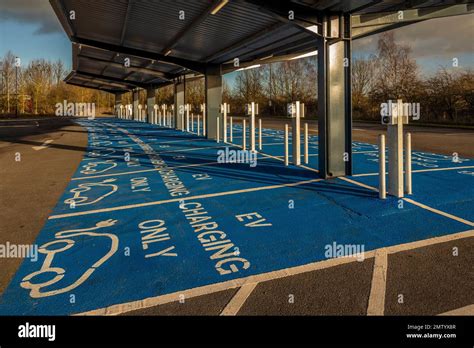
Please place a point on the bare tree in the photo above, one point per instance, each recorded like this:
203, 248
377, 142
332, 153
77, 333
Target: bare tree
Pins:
195, 93
164, 95
363, 81
38, 75
397, 71
58, 71
8, 75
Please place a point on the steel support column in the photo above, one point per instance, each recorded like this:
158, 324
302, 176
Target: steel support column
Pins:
150, 103
136, 100
334, 98
213, 101
179, 99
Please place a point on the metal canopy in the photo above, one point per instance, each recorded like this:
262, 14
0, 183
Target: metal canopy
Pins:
139, 71
163, 45
102, 83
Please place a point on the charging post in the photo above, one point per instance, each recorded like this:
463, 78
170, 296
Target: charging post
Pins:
395, 121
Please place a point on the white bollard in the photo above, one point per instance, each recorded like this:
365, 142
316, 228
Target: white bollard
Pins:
408, 186
230, 134
139, 113
286, 145
199, 124
163, 106
192, 122
306, 147
187, 117
382, 189
224, 122
204, 120
244, 135
395, 158
217, 130
182, 122
252, 128
259, 133
296, 136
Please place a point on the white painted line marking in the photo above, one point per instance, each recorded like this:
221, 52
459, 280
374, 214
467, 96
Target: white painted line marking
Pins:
430, 241
467, 310
239, 299
181, 140
379, 283
193, 149
421, 170
217, 194
440, 169
209, 289
368, 151
433, 210
44, 145
359, 184
270, 144
147, 170
436, 211
234, 283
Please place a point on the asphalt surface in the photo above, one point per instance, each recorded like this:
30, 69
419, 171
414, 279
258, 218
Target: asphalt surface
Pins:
431, 279
441, 140
31, 187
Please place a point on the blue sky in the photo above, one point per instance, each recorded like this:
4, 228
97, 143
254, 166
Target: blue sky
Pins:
30, 29
23, 41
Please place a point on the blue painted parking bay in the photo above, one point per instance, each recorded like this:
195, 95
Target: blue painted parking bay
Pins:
150, 212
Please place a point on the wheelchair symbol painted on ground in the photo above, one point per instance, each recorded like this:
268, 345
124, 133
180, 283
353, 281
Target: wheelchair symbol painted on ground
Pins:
98, 167
80, 199
36, 281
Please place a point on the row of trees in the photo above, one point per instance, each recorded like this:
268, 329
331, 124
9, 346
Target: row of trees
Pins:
272, 86
389, 74
36, 88
446, 96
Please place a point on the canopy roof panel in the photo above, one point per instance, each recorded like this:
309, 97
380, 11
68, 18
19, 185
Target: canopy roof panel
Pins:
95, 83
165, 39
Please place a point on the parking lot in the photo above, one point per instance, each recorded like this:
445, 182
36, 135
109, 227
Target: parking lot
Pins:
152, 223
